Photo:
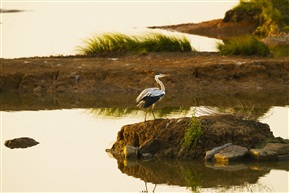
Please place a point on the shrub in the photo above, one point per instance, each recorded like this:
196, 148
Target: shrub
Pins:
193, 133
243, 45
271, 14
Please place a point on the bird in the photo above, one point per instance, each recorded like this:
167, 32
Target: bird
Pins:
149, 96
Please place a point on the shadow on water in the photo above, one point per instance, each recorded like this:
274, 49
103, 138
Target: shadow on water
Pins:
195, 175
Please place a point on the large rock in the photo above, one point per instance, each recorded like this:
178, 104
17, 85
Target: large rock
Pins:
163, 137
230, 153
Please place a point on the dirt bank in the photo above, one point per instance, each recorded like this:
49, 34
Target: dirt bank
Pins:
190, 73
215, 28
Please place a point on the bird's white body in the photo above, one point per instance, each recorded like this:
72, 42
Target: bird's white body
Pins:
149, 96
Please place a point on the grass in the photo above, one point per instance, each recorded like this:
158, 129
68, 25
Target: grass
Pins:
118, 42
193, 133
272, 15
244, 45
280, 50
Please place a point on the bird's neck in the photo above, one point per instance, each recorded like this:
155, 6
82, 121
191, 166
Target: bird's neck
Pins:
161, 84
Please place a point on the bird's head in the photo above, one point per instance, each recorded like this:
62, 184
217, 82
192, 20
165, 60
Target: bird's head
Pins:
160, 75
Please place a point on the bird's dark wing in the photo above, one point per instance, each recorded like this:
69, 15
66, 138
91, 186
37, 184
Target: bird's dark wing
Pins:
149, 96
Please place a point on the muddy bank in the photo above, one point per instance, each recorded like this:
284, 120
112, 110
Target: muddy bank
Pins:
215, 28
190, 73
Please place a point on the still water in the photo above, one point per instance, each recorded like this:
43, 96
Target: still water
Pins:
45, 28
71, 157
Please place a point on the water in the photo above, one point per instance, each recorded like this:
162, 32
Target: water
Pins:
57, 28
71, 157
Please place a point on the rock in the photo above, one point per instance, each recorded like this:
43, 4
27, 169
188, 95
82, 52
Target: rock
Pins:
150, 146
271, 152
231, 153
22, 142
130, 152
263, 154
210, 154
146, 156
283, 157
279, 148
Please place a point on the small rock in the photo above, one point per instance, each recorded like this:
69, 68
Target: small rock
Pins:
231, 153
22, 142
150, 146
283, 157
210, 154
146, 156
130, 152
263, 154
280, 148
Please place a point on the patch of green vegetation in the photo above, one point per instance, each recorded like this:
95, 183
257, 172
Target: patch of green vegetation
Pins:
280, 50
193, 133
272, 15
244, 45
152, 42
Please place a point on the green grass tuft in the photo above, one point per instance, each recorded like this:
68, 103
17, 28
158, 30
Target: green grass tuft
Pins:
152, 42
243, 45
193, 133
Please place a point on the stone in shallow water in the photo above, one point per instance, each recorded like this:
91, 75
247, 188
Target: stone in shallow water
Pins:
22, 142
210, 154
130, 152
264, 154
280, 148
231, 153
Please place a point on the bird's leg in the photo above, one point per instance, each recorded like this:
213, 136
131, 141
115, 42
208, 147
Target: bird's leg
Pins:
153, 111
146, 115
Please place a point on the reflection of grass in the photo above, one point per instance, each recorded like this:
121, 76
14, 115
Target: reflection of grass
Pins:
120, 112
152, 42
113, 112
247, 110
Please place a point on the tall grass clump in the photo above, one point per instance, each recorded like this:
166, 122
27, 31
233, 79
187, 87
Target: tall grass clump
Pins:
193, 133
272, 15
244, 45
152, 42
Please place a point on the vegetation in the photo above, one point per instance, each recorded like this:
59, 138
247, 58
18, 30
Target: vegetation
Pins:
152, 42
243, 45
272, 15
193, 133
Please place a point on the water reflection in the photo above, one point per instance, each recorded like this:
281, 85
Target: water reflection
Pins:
238, 100
199, 175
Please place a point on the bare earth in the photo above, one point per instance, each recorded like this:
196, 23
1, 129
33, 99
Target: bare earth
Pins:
190, 72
